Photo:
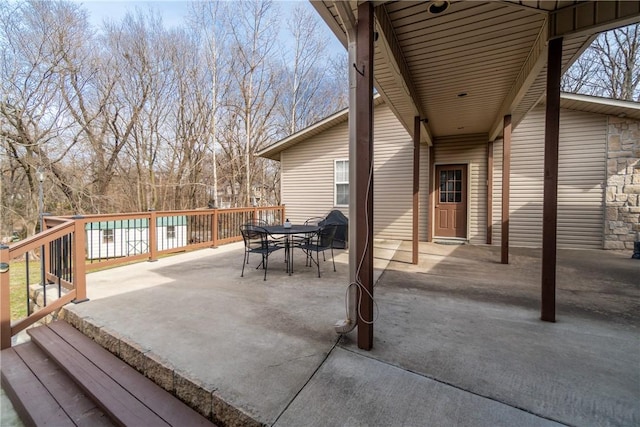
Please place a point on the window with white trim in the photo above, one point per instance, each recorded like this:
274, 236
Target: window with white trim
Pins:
107, 236
341, 182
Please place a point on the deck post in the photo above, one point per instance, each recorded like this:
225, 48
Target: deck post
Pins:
506, 175
214, 228
550, 199
416, 189
489, 192
79, 267
5, 299
364, 171
432, 190
45, 256
153, 236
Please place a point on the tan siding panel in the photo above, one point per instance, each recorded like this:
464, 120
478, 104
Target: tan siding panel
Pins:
308, 168
580, 181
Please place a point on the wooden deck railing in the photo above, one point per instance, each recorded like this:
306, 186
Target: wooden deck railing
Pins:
71, 246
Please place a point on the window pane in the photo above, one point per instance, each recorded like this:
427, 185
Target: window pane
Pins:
449, 175
458, 197
342, 194
443, 176
342, 171
459, 175
458, 186
107, 236
443, 197
450, 186
450, 197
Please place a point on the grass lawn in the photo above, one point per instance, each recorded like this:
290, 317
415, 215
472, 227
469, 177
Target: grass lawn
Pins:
18, 286
18, 283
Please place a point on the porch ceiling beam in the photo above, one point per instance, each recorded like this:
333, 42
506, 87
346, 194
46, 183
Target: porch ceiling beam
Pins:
530, 70
593, 17
392, 54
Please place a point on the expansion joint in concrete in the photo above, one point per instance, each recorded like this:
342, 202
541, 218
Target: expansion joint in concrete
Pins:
324, 360
428, 377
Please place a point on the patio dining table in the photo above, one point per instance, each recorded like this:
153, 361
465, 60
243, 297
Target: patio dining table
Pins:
289, 233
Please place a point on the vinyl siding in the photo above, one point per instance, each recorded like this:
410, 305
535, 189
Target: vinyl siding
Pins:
470, 150
580, 181
307, 180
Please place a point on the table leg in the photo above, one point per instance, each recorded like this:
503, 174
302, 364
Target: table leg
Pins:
290, 266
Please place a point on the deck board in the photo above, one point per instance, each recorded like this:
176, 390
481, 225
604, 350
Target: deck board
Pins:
82, 410
33, 402
168, 407
111, 396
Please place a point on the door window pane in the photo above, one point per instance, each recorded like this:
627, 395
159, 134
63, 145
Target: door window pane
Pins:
451, 186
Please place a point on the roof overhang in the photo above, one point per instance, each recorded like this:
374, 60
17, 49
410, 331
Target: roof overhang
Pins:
466, 68
598, 105
569, 101
273, 151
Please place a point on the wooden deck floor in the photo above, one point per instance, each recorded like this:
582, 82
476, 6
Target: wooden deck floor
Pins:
64, 378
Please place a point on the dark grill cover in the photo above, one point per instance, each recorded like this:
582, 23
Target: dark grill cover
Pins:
335, 217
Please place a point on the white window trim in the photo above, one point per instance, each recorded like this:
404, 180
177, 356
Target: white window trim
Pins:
108, 236
335, 182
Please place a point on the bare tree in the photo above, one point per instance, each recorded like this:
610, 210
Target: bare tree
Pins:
189, 149
36, 132
253, 32
135, 116
304, 77
610, 67
206, 17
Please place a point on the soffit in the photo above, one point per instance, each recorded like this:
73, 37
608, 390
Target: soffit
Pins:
495, 52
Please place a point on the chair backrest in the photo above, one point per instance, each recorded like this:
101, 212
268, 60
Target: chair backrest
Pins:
316, 220
257, 221
254, 236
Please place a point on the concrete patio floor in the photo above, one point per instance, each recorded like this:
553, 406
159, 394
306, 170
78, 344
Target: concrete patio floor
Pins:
457, 338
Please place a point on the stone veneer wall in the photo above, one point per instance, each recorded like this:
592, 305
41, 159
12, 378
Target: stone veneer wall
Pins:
622, 222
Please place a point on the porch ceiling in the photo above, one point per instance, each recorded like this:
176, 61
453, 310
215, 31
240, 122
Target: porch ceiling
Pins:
494, 52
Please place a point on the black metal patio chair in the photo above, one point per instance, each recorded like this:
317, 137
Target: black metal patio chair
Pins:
303, 240
320, 242
257, 241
